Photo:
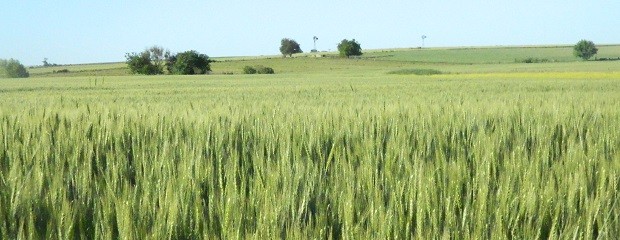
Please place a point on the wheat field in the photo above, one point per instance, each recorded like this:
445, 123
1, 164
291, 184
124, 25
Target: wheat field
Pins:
365, 156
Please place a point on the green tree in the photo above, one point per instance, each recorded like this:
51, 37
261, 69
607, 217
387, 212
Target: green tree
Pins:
349, 48
149, 61
289, 47
170, 60
158, 56
585, 49
13, 69
2, 68
188, 62
140, 63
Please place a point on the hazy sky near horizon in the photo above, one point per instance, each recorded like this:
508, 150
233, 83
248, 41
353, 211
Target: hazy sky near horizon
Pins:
78, 31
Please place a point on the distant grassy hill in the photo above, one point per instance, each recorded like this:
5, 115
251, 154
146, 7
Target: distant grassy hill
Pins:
450, 60
487, 55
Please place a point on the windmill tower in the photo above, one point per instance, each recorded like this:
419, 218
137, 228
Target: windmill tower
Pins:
314, 39
423, 37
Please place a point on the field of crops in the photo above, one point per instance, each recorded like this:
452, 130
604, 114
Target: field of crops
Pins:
344, 151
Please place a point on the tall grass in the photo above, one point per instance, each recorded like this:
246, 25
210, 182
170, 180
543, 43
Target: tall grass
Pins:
270, 158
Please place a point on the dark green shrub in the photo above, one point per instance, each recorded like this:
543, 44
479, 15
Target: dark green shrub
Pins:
416, 72
258, 70
264, 70
532, 60
249, 70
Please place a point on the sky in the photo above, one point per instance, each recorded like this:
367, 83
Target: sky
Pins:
79, 31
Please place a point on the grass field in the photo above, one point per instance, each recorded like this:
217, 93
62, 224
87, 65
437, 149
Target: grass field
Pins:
326, 148
452, 60
489, 55
103, 69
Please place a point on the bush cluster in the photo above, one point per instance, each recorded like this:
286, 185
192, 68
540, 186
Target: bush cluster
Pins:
608, 59
249, 70
153, 60
533, 60
416, 72
258, 70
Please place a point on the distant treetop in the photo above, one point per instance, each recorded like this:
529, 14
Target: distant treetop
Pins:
349, 48
289, 47
189, 63
585, 49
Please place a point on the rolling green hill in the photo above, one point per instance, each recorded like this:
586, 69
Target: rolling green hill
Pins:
450, 60
488, 55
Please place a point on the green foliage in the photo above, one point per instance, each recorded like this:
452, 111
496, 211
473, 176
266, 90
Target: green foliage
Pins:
140, 63
158, 56
189, 63
348, 48
3, 67
585, 49
249, 70
148, 62
289, 47
264, 70
13, 69
170, 60
259, 69
416, 72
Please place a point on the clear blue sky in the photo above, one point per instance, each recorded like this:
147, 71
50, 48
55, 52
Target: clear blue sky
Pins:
81, 31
